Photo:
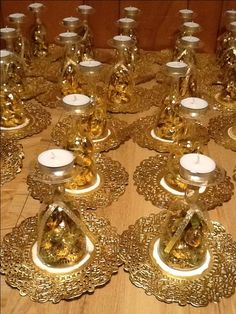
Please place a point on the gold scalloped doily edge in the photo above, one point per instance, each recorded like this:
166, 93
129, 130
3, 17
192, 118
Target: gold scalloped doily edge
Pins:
217, 282
147, 178
114, 180
41, 286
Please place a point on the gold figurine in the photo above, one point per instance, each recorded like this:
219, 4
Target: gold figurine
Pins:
84, 31
91, 70
187, 55
69, 80
170, 124
21, 45
12, 112
39, 44
121, 85
187, 29
61, 240
78, 141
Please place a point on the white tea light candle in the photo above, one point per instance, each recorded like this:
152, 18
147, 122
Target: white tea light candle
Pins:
90, 63
191, 25
67, 35
126, 20
7, 30
191, 39
76, 100
36, 6
185, 11
197, 164
71, 19
4, 53
55, 158
131, 9
194, 103
121, 38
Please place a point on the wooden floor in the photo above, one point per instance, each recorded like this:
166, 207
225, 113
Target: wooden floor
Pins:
119, 296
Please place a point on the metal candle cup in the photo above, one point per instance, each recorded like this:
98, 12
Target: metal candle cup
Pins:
121, 41
90, 66
186, 14
78, 103
193, 106
56, 163
132, 12
7, 33
190, 41
176, 68
36, 7
197, 168
85, 9
126, 22
16, 17
68, 37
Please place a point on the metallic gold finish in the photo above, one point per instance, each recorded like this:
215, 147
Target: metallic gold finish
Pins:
220, 129
149, 173
140, 132
38, 120
212, 285
21, 272
113, 176
11, 156
142, 99
234, 174
119, 134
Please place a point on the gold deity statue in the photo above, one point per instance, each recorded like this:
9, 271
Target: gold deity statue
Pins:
121, 85
224, 39
78, 141
69, 80
170, 124
188, 85
39, 45
85, 32
183, 239
91, 70
21, 45
12, 111
61, 240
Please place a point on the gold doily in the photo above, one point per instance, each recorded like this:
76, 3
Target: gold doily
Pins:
48, 67
140, 132
41, 286
38, 120
216, 282
219, 128
11, 155
114, 179
118, 134
147, 178
51, 97
142, 99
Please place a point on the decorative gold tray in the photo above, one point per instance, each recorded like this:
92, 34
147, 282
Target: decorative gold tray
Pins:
118, 134
43, 286
37, 117
142, 99
149, 173
114, 179
218, 130
140, 132
216, 282
11, 156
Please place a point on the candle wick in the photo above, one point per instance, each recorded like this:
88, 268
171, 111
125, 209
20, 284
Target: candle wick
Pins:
75, 98
198, 159
53, 155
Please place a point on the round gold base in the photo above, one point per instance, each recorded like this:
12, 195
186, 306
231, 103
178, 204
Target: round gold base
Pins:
117, 129
11, 156
38, 120
216, 282
141, 131
113, 181
219, 130
43, 286
148, 179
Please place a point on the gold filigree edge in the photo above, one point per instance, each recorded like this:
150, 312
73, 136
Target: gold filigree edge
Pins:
21, 273
114, 179
147, 178
217, 282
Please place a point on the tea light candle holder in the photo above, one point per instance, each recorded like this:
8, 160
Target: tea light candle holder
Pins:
186, 14
190, 41
85, 9
121, 42
8, 34
57, 164
193, 107
132, 12
197, 168
71, 23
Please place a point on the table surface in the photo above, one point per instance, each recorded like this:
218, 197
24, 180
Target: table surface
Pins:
119, 296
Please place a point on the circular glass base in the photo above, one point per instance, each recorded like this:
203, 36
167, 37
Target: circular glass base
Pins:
231, 133
175, 272
153, 134
87, 189
38, 262
26, 122
107, 134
